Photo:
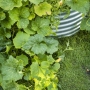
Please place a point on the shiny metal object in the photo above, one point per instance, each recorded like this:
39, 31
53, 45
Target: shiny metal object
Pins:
69, 25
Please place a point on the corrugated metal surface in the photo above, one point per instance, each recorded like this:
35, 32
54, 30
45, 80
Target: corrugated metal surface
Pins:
70, 25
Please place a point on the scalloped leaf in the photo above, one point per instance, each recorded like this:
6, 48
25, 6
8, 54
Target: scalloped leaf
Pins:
2, 59
81, 6
39, 45
32, 16
28, 30
22, 23
34, 44
9, 85
23, 58
39, 48
12, 69
7, 22
20, 16
2, 15
18, 13
88, 22
10, 4
36, 1
85, 24
41, 25
43, 9
34, 69
52, 45
20, 39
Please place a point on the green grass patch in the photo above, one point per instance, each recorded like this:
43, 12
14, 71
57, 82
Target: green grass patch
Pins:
74, 73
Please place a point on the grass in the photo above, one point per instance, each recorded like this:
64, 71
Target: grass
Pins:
74, 74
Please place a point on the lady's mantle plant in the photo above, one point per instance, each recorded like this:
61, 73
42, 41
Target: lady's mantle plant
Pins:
26, 61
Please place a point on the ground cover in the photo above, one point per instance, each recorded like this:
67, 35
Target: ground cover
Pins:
74, 73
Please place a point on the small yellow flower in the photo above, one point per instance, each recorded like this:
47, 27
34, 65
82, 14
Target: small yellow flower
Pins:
58, 60
61, 2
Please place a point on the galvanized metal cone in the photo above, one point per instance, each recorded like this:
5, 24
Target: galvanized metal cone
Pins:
69, 25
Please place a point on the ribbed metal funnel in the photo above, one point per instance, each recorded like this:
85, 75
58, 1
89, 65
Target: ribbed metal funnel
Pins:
69, 25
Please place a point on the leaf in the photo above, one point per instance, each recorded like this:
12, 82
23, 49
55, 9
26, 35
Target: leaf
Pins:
25, 0
50, 59
45, 64
12, 85
27, 74
28, 30
36, 1
10, 4
39, 45
22, 23
85, 24
3, 40
37, 71
9, 85
1, 78
52, 86
32, 41
39, 48
22, 87
24, 12
8, 48
88, 22
34, 44
43, 9
21, 15
23, 58
56, 66
52, 45
20, 39
38, 87
42, 57
78, 5
34, 69
14, 14
12, 69
7, 22
2, 59
42, 26
2, 15
31, 16
8, 33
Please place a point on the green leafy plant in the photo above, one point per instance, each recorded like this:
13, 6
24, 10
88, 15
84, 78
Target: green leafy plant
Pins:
26, 48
